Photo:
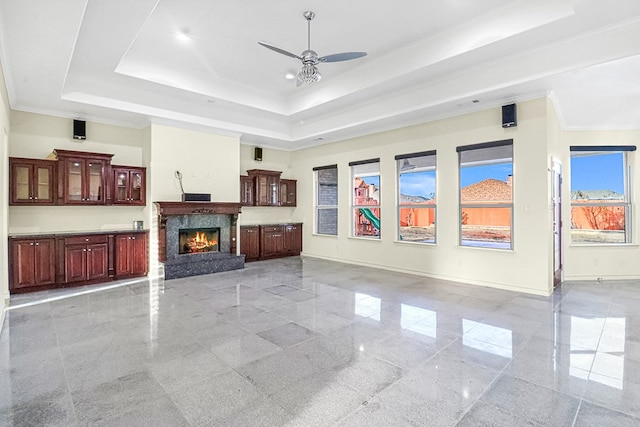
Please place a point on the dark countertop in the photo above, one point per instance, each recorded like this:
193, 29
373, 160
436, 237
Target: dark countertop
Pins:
73, 233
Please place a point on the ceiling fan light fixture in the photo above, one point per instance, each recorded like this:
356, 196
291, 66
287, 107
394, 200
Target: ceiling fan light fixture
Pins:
309, 74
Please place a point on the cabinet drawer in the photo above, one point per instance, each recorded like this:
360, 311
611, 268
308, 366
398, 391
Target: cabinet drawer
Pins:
90, 239
272, 228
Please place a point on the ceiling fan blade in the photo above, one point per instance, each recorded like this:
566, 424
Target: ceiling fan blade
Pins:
344, 56
277, 49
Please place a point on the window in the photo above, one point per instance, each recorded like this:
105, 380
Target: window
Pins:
417, 197
365, 178
327, 200
486, 196
600, 202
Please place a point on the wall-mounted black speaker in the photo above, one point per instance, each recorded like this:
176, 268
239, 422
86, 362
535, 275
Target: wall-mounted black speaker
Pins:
79, 129
257, 154
509, 116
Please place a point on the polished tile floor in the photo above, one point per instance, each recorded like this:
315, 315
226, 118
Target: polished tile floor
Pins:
306, 342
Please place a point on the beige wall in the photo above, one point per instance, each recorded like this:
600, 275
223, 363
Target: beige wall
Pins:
5, 128
211, 164
526, 268
271, 160
591, 261
36, 136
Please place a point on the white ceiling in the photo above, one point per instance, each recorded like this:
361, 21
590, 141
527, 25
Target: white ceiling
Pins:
119, 61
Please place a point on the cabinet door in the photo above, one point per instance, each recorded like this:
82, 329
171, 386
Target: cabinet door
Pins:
137, 186
138, 254
250, 243
22, 264
129, 186
293, 239
246, 190
288, 192
74, 179
45, 261
94, 184
267, 190
31, 181
75, 263
272, 242
97, 257
123, 254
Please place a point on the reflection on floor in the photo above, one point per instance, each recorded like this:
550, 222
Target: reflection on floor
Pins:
304, 342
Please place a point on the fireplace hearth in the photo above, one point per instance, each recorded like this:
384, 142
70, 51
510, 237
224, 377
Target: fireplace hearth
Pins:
196, 238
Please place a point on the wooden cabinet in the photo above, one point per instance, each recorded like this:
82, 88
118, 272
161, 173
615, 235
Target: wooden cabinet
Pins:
129, 186
271, 241
293, 239
266, 187
86, 258
31, 181
250, 242
32, 262
246, 190
288, 192
82, 177
131, 255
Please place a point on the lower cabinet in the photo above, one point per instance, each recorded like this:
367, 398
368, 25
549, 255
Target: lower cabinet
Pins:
86, 258
52, 261
250, 242
131, 255
258, 242
33, 262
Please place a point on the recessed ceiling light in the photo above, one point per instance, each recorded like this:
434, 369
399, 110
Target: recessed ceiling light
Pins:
475, 101
290, 76
183, 36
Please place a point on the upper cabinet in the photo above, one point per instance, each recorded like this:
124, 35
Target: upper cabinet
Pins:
128, 185
288, 192
246, 190
82, 177
265, 188
31, 182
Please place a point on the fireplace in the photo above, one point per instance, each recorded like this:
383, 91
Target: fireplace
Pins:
197, 240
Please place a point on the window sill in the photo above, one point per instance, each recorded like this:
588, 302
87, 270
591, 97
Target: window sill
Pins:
335, 236
604, 245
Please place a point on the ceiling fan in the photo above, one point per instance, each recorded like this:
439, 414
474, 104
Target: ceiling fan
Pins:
309, 58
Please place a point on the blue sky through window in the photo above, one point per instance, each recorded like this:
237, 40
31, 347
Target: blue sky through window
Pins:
418, 184
472, 174
598, 172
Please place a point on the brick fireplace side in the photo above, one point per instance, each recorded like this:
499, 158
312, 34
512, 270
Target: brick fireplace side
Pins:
174, 216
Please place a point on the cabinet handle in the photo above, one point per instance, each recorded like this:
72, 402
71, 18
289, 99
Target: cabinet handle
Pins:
84, 250
37, 244
31, 244
35, 198
133, 238
86, 240
88, 250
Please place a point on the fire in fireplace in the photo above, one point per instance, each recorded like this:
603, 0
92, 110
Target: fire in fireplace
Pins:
196, 240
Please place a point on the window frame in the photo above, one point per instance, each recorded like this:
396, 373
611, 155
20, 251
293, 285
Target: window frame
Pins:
319, 207
353, 175
627, 201
400, 206
497, 205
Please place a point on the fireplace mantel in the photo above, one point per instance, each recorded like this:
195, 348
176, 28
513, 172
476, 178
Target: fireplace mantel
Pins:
198, 208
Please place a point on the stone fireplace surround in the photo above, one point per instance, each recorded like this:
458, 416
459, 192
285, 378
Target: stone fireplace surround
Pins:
173, 216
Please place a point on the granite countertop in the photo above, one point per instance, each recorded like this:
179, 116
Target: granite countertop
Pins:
73, 233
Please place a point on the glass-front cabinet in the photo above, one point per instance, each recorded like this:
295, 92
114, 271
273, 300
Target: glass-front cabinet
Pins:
82, 177
267, 187
129, 185
31, 181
